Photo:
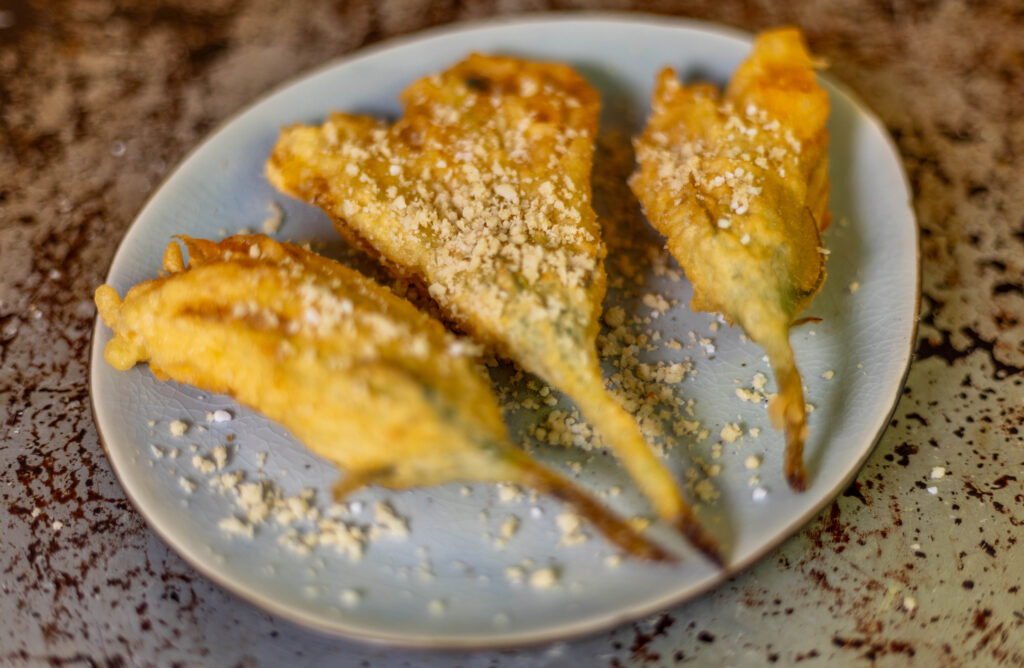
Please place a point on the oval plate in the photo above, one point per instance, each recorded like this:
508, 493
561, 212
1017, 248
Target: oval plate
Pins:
452, 582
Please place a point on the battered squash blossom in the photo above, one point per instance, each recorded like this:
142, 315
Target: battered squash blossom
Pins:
355, 372
737, 182
481, 192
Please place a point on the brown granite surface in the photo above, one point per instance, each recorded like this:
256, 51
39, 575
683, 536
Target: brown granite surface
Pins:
99, 99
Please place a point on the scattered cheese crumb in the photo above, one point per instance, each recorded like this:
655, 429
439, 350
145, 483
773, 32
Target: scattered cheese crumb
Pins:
57, 525
351, 597
36, 512
854, 287
759, 494
177, 428
507, 492
157, 451
615, 316
655, 302
938, 473
544, 578
730, 432
638, 523
515, 574
570, 525
705, 491
828, 375
613, 560
345, 539
933, 490
272, 223
389, 521
752, 462
220, 456
909, 603
233, 525
186, 484
508, 528
203, 465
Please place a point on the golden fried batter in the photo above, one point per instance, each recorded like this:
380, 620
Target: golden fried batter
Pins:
356, 373
482, 192
738, 184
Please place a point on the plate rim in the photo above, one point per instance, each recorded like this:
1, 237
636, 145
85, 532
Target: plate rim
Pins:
596, 623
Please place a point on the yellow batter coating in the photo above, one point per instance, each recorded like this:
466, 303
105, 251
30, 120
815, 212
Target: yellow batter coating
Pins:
355, 372
481, 191
737, 182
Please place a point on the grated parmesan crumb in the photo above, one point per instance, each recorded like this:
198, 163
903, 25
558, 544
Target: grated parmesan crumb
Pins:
730, 432
938, 473
515, 574
272, 223
177, 428
615, 316
220, 456
388, 521
234, 526
705, 491
203, 465
570, 524
507, 529
544, 578
507, 492
613, 560
655, 302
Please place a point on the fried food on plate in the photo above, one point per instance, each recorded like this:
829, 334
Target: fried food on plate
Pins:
737, 183
481, 191
355, 372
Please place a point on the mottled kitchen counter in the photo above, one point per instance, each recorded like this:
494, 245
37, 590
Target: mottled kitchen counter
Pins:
99, 99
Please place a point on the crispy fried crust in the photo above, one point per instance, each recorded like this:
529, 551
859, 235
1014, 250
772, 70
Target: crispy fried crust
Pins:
738, 184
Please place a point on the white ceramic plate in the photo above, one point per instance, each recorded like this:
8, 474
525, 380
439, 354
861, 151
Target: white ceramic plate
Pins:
466, 599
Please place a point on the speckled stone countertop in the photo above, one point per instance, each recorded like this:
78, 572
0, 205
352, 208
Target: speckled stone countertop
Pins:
99, 99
